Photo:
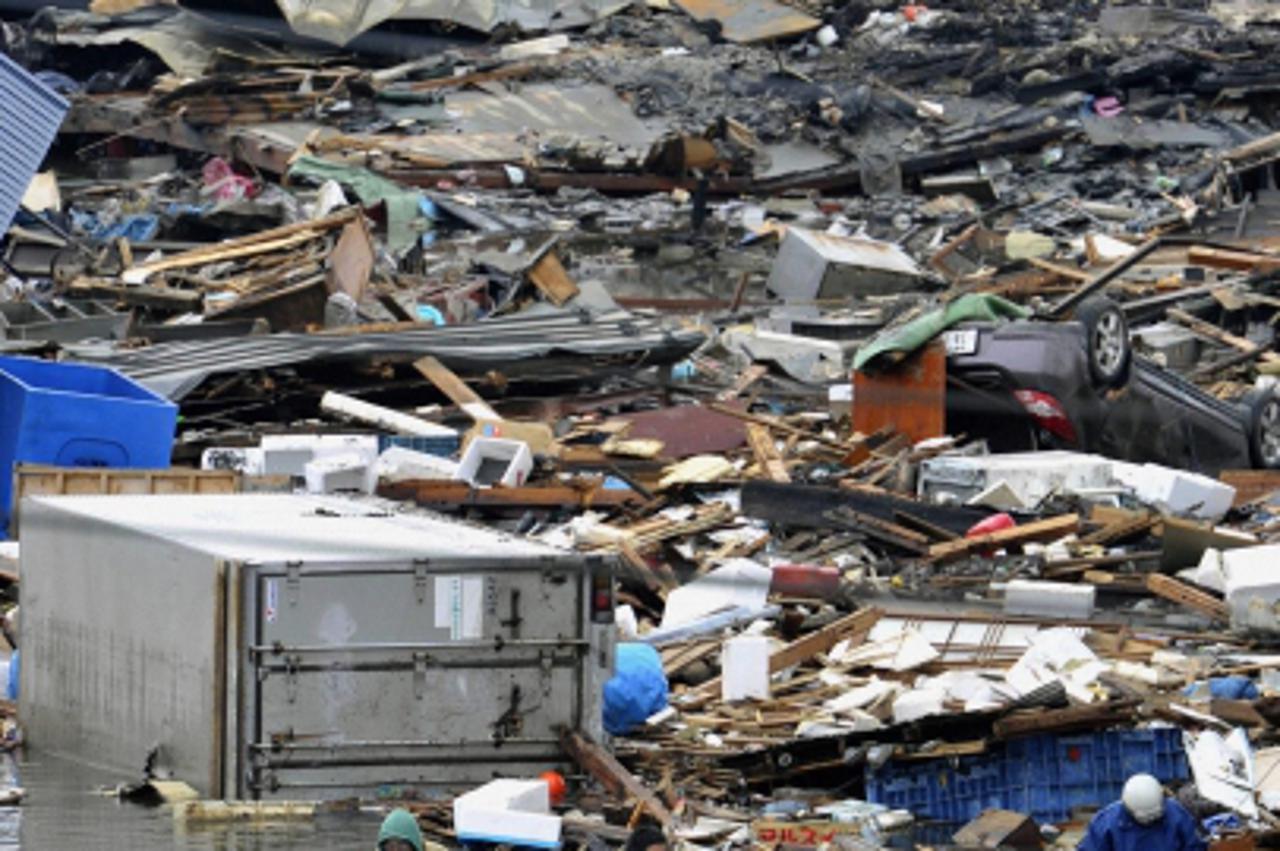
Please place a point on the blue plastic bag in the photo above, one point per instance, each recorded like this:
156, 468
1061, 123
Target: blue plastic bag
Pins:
1229, 688
637, 690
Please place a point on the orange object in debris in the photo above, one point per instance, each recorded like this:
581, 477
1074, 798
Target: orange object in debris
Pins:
912, 11
909, 397
555, 786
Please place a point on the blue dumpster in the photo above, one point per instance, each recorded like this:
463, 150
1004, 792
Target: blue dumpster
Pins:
72, 415
1044, 776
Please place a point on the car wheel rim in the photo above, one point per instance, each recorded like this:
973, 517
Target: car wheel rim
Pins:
1269, 433
1108, 343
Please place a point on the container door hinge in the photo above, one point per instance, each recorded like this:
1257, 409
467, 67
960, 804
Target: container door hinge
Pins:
291, 664
546, 658
513, 622
419, 675
293, 581
420, 581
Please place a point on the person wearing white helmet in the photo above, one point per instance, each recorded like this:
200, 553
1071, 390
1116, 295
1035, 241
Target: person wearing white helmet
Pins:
1143, 820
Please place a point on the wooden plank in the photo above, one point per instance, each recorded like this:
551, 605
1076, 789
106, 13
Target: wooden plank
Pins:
1251, 485
167, 298
1049, 529
450, 493
748, 376
766, 453
880, 530
944, 750
45, 480
855, 627
919, 524
1213, 332
352, 260
1078, 275
1218, 258
1022, 722
1237, 712
779, 425
1268, 144
1120, 529
1185, 595
611, 774
676, 659
1122, 582
551, 279
448, 383
803, 649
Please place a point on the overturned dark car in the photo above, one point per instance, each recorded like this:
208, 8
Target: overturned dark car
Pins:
1078, 384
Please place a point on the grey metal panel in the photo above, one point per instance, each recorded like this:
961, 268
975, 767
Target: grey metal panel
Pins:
421, 675
140, 629
32, 113
119, 653
175, 369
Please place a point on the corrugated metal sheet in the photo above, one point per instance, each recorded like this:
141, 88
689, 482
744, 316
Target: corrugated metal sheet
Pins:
32, 113
175, 369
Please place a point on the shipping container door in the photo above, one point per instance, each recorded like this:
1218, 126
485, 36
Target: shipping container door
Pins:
419, 675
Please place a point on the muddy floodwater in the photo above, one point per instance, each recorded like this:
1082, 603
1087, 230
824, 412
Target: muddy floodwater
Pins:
65, 809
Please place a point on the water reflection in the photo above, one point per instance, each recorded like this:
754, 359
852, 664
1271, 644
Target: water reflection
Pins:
65, 808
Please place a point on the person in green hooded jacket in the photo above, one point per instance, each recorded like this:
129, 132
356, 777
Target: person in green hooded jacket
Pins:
399, 832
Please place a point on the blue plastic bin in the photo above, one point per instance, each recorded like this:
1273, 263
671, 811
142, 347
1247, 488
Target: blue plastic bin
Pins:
72, 415
1044, 776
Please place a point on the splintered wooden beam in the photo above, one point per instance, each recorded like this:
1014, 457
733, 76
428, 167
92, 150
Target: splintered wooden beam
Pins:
766, 453
549, 276
457, 391
854, 627
1095, 716
611, 774
749, 376
1213, 332
779, 425
275, 239
432, 492
1244, 261
1120, 529
1041, 530
880, 530
1191, 598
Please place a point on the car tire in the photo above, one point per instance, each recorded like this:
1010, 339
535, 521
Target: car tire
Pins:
1106, 341
1264, 429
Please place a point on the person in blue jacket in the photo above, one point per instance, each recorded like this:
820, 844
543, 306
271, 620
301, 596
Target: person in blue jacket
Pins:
1143, 820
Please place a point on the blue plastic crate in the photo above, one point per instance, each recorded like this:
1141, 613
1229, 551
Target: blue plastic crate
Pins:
444, 447
1044, 776
72, 415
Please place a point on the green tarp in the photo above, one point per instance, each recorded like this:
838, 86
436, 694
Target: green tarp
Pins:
403, 205
907, 338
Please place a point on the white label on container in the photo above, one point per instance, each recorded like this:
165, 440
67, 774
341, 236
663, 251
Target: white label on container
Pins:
272, 605
459, 606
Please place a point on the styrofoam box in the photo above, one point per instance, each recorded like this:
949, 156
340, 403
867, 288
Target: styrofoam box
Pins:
1252, 586
1177, 491
512, 812
515, 453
